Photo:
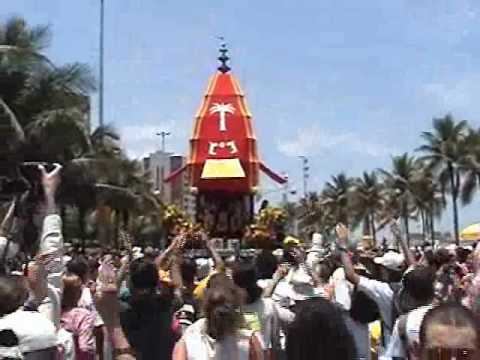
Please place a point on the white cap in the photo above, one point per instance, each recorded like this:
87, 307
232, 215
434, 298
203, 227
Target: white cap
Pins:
278, 253
391, 260
300, 286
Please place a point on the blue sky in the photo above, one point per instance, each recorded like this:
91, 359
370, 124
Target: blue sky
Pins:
346, 83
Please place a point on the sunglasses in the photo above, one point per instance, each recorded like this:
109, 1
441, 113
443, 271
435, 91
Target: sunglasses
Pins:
452, 354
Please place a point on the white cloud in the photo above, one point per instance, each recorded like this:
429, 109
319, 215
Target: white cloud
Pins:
313, 140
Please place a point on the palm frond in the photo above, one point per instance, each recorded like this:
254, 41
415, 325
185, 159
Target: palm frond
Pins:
17, 33
469, 186
59, 133
10, 126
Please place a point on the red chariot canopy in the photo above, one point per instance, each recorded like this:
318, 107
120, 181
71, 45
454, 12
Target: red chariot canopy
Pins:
223, 148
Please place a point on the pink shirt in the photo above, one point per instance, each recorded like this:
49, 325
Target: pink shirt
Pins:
81, 322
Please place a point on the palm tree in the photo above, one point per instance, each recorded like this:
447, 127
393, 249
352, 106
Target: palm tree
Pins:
445, 150
471, 166
368, 200
48, 102
399, 184
428, 198
105, 141
21, 45
336, 197
46, 108
310, 212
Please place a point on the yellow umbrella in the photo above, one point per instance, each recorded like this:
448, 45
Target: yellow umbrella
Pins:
471, 233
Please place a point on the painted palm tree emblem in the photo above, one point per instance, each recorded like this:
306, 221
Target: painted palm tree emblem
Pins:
222, 109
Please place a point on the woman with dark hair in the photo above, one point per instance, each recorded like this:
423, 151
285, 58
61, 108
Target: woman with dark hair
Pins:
319, 332
219, 335
147, 311
259, 314
449, 331
266, 264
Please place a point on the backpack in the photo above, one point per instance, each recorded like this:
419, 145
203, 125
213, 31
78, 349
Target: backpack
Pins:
363, 309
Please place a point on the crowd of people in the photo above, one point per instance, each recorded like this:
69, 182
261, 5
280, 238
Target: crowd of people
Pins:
296, 303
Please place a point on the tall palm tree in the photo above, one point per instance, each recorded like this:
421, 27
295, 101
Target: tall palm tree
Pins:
428, 198
336, 197
445, 150
367, 200
471, 166
105, 141
399, 185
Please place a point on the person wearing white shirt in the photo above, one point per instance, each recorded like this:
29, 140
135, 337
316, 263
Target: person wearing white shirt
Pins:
391, 265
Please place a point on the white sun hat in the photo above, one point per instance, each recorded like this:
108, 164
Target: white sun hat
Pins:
391, 260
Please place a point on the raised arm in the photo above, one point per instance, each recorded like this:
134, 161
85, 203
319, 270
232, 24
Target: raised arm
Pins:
280, 273
7, 222
342, 243
162, 260
217, 259
50, 252
8, 248
51, 241
409, 257
106, 302
176, 272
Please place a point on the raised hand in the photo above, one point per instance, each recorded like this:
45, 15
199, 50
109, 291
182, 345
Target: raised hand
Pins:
7, 221
37, 280
179, 242
106, 303
342, 234
281, 272
50, 180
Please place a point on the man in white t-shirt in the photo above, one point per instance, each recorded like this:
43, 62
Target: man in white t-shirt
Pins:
391, 265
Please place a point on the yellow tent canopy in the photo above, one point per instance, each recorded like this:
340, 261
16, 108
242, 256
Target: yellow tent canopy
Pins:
471, 233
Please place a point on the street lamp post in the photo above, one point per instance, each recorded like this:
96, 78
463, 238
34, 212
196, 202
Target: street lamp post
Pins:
163, 135
100, 98
306, 175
